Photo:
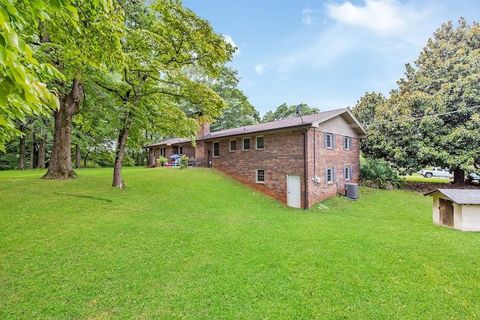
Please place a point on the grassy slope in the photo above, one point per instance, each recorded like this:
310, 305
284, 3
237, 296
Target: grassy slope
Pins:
192, 244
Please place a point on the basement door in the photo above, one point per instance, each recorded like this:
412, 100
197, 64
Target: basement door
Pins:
293, 191
446, 212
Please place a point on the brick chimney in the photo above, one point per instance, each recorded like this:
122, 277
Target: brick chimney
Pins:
204, 129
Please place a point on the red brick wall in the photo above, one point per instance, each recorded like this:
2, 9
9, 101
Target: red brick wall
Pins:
188, 149
282, 156
337, 157
156, 153
201, 154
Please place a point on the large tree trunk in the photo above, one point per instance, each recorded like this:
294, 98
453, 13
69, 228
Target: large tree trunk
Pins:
41, 153
78, 156
21, 153
60, 166
458, 176
120, 153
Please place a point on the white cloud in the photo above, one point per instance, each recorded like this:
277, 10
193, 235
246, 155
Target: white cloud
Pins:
320, 51
259, 68
308, 16
229, 40
384, 17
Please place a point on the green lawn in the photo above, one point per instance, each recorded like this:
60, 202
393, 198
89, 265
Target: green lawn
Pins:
193, 244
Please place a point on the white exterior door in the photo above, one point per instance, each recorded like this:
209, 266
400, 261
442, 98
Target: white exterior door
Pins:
293, 191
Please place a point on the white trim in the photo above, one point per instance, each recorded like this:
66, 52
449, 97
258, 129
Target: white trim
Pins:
230, 145
249, 144
256, 137
256, 176
213, 149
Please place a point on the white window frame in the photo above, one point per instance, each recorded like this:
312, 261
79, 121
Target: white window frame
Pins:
213, 149
256, 146
349, 143
180, 150
256, 176
331, 140
230, 145
347, 171
332, 175
249, 144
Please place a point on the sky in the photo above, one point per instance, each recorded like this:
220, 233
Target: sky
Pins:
325, 53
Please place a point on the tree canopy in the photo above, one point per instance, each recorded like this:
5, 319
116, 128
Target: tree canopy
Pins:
24, 74
433, 117
170, 53
238, 110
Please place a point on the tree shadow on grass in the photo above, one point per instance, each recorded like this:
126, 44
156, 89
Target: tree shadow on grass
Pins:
83, 196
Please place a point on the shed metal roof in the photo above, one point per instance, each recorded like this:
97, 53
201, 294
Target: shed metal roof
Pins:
460, 196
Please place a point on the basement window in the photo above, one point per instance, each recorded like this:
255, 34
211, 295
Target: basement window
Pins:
233, 145
260, 176
246, 144
260, 143
216, 149
347, 173
329, 175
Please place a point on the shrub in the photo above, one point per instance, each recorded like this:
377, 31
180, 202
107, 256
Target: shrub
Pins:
183, 162
162, 161
379, 174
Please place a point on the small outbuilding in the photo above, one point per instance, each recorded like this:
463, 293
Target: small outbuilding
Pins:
457, 208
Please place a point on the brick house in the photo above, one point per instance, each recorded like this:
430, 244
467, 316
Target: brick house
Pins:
298, 161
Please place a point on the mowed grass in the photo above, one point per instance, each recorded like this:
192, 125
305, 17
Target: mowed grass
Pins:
420, 178
194, 244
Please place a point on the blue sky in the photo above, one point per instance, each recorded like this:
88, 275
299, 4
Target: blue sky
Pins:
325, 53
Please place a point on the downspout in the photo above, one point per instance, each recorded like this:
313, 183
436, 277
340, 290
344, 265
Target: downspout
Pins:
315, 153
305, 171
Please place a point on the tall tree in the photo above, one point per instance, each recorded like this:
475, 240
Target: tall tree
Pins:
285, 111
169, 51
433, 118
75, 51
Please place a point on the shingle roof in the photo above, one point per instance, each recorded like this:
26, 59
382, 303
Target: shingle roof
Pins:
279, 124
274, 125
460, 196
169, 142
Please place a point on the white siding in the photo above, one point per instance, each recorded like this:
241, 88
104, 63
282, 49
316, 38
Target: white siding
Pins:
470, 218
338, 125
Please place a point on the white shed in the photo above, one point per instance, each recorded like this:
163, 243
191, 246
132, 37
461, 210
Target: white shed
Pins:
457, 208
